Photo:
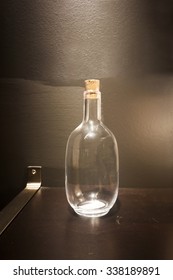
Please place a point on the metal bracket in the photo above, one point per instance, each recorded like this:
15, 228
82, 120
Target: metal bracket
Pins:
34, 178
9, 212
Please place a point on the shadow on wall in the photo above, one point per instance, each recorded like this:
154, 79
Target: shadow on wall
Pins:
159, 24
36, 120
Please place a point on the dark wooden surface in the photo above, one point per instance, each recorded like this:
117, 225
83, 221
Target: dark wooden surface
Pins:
140, 226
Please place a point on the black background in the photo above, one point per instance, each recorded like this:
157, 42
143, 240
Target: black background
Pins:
48, 48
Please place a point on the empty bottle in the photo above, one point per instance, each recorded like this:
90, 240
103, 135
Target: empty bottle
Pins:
91, 160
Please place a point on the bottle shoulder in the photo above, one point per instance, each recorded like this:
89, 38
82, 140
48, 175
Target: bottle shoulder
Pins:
92, 130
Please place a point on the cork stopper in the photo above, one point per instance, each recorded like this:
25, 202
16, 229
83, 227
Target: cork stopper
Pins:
92, 84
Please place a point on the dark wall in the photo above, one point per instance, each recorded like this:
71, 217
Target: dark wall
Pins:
48, 48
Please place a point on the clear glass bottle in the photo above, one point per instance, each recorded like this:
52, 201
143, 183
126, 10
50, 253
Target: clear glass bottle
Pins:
91, 161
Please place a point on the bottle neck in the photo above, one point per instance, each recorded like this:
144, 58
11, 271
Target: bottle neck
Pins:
92, 106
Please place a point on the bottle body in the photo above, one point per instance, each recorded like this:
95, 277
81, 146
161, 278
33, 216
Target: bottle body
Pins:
91, 170
91, 164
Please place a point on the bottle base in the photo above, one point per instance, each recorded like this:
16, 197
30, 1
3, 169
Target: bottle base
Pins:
92, 208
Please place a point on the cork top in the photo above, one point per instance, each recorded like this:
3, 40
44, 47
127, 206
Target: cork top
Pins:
92, 84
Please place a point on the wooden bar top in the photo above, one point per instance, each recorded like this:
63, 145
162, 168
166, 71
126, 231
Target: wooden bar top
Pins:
140, 226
